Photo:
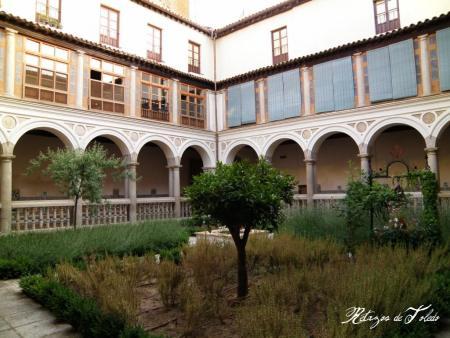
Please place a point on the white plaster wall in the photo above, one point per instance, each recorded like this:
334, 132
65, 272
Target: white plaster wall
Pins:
152, 172
312, 27
82, 18
289, 159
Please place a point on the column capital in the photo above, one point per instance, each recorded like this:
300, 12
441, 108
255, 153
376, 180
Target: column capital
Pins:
310, 161
364, 155
304, 68
175, 80
174, 166
358, 54
208, 168
7, 157
134, 68
80, 52
10, 31
431, 150
132, 164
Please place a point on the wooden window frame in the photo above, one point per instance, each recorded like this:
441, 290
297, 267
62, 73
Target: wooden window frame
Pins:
187, 119
46, 18
149, 113
39, 86
151, 54
282, 57
389, 24
191, 66
114, 102
108, 39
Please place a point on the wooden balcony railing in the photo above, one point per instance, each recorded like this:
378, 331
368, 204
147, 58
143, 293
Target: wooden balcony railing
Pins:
109, 41
151, 110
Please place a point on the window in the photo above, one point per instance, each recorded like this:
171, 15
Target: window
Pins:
194, 57
284, 95
109, 26
386, 15
279, 45
46, 72
107, 92
241, 105
154, 43
48, 12
155, 97
192, 106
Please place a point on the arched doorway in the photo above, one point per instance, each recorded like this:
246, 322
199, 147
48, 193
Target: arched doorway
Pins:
246, 153
191, 165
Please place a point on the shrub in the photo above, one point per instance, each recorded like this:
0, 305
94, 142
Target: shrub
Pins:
170, 276
82, 313
29, 253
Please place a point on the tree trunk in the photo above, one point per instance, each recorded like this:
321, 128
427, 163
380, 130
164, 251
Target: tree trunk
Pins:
242, 289
74, 213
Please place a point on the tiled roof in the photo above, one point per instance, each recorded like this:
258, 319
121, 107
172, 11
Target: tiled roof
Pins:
30, 28
421, 27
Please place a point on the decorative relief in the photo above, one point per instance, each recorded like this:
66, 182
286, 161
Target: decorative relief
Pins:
306, 134
177, 141
134, 136
361, 127
9, 122
223, 145
212, 146
80, 130
429, 118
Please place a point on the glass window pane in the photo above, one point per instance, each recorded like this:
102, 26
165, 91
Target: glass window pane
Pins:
118, 70
61, 54
47, 79
32, 46
96, 64
31, 75
119, 93
46, 95
283, 33
47, 50
96, 89
107, 78
108, 67
61, 82
392, 4
41, 7
53, 13
380, 6
31, 60
47, 64
61, 67
108, 106
32, 93
108, 91
61, 98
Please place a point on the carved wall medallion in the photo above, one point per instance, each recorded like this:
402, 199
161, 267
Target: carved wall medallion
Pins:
80, 130
306, 134
361, 127
9, 122
429, 118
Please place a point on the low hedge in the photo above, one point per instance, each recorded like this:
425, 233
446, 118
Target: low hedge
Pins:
82, 313
33, 253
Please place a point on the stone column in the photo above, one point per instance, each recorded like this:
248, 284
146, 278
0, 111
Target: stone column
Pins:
10, 65
133, 91
132, 190
6, 192
208, 169
174, 108
310, 180
79, 213
424, 64
360, 90
365, 164
80, 79
170, 181
177, 189
432, 160
261, 102
306, 90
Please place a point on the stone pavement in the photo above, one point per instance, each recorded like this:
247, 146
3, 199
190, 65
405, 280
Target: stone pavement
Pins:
22, 317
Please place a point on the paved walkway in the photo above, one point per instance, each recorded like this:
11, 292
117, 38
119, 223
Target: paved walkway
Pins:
22, 317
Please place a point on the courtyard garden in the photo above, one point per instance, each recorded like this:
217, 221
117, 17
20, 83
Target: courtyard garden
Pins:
374, 266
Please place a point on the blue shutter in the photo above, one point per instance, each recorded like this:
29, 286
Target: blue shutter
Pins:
323, 87
403, 69
234, 106
443, 48
291, 93
248, 108
275, 97
343, 85
380, 81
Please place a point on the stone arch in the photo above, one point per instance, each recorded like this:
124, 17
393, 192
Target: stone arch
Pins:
439, 129
234, 148
61, 131
163, 143
205, 152
319, 137
377, 128
119, 139
276, 140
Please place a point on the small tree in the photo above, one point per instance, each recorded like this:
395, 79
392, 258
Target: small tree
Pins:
242, 196
77, 173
